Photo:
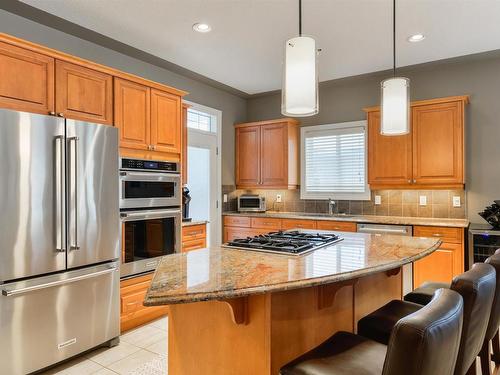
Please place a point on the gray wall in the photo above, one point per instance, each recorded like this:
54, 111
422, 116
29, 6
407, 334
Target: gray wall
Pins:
233, 107
478, 76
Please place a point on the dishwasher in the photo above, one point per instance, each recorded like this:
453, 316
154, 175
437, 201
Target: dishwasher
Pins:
398, 230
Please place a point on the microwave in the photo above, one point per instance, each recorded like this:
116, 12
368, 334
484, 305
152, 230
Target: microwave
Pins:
251, 203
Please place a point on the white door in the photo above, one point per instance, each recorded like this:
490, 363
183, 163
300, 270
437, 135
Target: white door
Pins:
204, 170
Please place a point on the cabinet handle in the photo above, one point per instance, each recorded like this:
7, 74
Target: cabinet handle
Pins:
60, 114
153, 147
409, 181
52, 113
437, 235
414, 181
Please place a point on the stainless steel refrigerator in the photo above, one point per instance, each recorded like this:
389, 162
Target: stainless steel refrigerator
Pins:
59, 239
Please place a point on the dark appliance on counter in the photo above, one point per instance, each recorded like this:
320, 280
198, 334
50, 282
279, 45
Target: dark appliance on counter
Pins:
186, 199
150, 211
492, 214
483, 241
294, 242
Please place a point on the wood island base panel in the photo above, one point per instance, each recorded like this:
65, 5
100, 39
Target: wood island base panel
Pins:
246, 312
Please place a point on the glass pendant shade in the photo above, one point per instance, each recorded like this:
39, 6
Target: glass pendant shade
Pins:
395, 106
299, 95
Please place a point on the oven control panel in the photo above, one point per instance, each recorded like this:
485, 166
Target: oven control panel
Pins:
149, 165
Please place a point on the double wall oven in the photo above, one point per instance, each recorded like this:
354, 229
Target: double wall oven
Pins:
150, 211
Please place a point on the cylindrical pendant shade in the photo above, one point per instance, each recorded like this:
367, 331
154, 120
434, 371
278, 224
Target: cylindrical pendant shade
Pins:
299, 96
395, 106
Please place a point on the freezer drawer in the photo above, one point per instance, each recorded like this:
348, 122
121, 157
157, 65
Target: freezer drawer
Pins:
46, 320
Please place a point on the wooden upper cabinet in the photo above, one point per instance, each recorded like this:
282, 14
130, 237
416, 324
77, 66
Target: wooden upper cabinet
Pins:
83, 93
432, 155
26, 80
248, 156
184, 155
132, 114
166, 124
438, 143
389, 157
274, 155
267, 154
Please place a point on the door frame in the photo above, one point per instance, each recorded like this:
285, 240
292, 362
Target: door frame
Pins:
217, 222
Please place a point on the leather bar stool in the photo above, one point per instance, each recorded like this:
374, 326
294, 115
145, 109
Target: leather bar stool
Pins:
477, 288
424, 343
421, 295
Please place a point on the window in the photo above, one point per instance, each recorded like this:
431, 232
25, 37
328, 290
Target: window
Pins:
201, 121
334, 161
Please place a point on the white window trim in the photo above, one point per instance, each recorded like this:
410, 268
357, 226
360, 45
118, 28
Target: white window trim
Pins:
337, 196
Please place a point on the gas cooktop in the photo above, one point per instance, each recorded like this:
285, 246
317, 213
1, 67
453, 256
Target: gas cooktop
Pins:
286, 243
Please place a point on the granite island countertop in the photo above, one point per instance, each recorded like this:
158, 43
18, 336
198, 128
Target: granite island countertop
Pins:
372, 219
220, 273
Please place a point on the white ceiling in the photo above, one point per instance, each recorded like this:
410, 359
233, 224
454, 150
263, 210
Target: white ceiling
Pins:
245, 47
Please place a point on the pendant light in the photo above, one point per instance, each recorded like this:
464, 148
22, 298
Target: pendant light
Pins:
395, 95
299, 94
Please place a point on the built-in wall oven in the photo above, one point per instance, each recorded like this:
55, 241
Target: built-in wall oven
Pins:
150, 211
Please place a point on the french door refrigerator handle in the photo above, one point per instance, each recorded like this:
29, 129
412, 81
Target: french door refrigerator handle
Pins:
60, 209
75, 245
13, 292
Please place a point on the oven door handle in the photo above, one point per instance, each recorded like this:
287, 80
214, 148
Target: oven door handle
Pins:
149, 176
150, 214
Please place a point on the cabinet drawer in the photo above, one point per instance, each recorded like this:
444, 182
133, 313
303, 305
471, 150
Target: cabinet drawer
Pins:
336, 225
297, 223
193, 245
131, 303
237, 221
230, 233
194, 232
452, 235
266, 223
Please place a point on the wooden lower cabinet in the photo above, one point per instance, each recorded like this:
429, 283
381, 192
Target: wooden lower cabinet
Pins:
132, 312
194, 237
446, 262
343, 226
247, 226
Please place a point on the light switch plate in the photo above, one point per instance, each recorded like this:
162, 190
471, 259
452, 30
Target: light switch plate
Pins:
278, 198
423, 200
378, 199
224, 198
456, 201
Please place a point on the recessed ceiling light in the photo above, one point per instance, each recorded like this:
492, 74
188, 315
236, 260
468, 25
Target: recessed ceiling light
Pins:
202, 27
416, 38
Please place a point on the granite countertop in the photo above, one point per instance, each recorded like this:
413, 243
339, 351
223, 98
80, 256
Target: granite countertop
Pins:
220, 273
396, 220
193, 222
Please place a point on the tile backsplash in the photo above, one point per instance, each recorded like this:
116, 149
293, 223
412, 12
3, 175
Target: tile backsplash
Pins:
439, 203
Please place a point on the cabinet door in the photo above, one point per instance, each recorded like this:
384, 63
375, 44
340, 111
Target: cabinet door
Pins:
389, 157
83, 94
132, 114
438, 148
442, 265
165, 122
274, 155
27, 80
336, 225
248, 156
184, 156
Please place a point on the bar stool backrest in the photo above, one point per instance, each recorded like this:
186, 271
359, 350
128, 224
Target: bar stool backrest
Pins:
494, 322
427, 341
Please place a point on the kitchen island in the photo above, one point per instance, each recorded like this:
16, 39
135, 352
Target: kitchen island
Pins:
245, 312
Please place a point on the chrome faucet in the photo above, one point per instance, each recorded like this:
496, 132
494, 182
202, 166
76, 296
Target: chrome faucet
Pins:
331, 206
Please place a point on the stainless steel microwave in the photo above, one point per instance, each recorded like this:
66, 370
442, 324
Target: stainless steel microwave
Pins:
251, 203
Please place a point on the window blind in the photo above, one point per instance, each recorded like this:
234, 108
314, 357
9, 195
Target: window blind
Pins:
335, 160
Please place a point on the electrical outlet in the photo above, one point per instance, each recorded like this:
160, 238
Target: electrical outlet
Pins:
278, 198
423, 200
378, 199
224, 198
456, 201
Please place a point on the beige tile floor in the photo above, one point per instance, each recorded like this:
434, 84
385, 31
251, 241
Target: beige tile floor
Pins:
142, 351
